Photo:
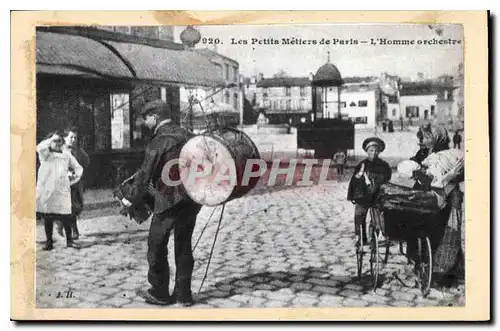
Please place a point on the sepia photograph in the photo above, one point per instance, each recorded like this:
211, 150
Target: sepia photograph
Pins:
195, 167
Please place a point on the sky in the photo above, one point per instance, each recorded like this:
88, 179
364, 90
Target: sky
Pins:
351, 60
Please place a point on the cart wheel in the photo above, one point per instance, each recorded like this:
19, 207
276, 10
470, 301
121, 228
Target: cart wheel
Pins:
374, 259
387, 249
360, 252
424, 266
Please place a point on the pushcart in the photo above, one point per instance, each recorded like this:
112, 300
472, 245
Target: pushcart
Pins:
404, 222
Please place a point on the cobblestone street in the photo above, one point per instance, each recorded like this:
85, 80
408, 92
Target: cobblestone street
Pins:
281, 247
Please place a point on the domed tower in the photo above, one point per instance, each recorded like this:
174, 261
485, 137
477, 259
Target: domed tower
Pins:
326, 86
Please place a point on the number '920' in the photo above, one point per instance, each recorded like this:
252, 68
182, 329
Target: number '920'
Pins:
210, 40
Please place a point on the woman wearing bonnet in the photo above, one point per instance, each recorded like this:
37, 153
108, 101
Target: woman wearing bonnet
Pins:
438, 170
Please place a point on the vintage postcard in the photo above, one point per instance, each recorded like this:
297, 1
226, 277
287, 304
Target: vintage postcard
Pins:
306, 165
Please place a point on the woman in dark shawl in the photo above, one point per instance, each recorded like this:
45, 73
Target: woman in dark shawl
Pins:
445, 228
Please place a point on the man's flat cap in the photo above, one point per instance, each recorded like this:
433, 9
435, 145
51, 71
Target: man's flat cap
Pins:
158, 106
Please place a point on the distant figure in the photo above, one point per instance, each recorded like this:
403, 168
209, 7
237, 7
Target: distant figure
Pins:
262, 120
384, 126
457, 140
339, 158
402, 123
391, 126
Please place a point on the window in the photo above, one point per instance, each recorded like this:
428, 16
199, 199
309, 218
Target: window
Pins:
362, 103
276, 104
235, 101
163, 93
288, 91
303, 104
394, 112
411, 111
226, 71
360, 120
235, 74
226, 97
303, 91
433, 110
283, 104
352, 104
289, 104
265, 92
120, 121
342, 104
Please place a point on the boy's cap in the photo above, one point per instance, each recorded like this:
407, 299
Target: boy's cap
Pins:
374, 141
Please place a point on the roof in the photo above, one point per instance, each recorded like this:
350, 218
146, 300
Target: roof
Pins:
360, 87
359, 79
284, 81
64, 71
286, 111
423, 88
70, 54
167, 65
392, 98
328, 75
99, 33
211, 53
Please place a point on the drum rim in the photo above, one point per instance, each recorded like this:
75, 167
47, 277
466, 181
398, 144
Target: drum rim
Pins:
213, 134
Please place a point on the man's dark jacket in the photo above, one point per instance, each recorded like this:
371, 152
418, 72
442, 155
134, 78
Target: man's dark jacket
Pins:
165, 145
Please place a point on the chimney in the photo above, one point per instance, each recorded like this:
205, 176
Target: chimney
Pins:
166, 32
311, 76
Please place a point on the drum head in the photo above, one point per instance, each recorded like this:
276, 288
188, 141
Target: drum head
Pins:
207, 170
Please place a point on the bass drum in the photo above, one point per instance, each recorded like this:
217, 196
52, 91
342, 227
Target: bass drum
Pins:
212, 165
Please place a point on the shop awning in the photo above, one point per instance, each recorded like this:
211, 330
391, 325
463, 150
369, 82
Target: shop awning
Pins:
170, 66
66, 54
70, 54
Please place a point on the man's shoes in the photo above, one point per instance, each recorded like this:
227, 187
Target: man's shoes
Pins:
186, 300
153, 300
73, 244
49, 245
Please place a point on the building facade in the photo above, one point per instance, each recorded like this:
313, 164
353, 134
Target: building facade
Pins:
288, 100
229, 69
285, 100
426, 101
360, 102
225, 100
